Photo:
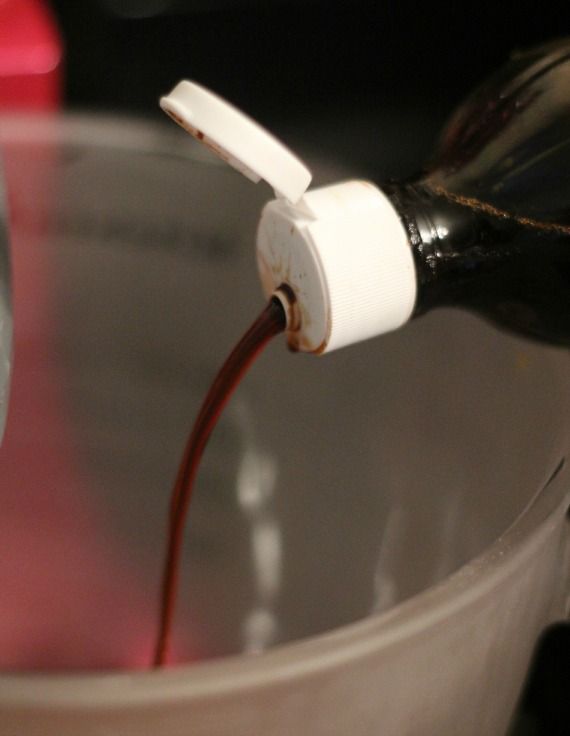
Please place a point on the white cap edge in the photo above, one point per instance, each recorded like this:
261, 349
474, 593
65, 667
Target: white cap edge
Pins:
351, 268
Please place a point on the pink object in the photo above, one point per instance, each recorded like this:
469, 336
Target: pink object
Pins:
30, 56
72, 596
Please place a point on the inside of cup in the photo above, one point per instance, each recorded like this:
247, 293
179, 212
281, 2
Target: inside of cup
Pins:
334, 487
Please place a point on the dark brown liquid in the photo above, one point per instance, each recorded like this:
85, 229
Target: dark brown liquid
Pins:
270, 322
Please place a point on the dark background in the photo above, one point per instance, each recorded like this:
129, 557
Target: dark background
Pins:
369, 83
365, 84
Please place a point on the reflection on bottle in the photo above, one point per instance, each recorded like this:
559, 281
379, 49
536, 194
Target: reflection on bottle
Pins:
256, 479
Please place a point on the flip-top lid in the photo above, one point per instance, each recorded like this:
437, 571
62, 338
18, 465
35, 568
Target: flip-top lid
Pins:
237, 139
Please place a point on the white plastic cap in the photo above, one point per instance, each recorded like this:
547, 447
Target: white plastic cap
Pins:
338, 258
237, 139
345, 259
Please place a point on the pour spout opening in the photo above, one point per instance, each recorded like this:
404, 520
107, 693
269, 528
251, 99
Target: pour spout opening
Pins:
285, 296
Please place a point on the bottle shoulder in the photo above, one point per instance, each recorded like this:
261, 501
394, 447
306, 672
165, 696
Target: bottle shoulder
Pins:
507, 148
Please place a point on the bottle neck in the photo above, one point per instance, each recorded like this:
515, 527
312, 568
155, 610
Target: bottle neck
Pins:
455, 247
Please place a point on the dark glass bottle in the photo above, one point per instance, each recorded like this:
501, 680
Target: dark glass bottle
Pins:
485, 227
489, 223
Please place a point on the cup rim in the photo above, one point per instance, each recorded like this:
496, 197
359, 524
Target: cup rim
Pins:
535, 527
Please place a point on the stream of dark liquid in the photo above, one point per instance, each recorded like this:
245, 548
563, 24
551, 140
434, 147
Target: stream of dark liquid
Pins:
270, 322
